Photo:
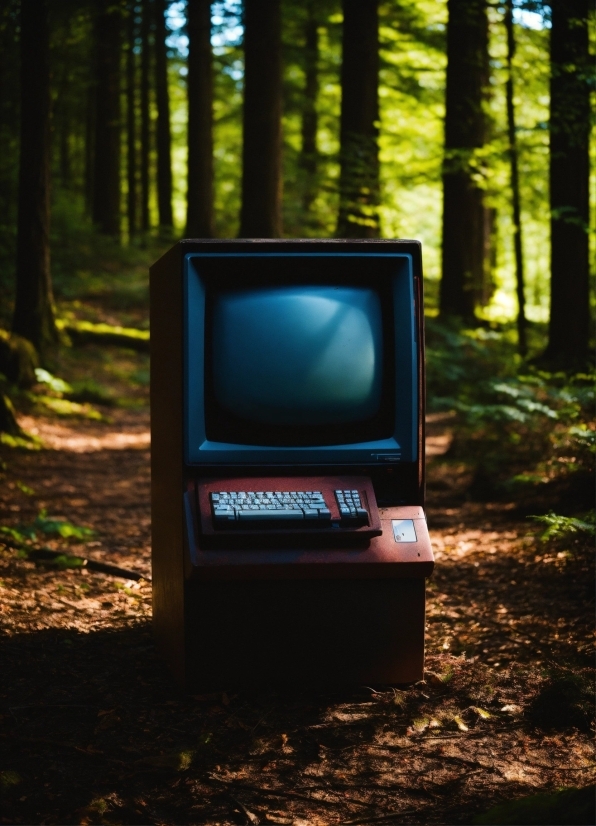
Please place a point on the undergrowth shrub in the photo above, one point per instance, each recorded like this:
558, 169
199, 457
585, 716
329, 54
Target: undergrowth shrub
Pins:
565, 700
516, 425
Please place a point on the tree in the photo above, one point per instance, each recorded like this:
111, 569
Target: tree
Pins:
260, 213
199, 199
145, 113
131, 131
164, 138
465, 132
89, 168
571, 72
106, 178
34, 306
308, 160
515, 196
359, 151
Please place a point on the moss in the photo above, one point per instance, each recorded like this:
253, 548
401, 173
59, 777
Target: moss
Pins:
85, 332
18, 359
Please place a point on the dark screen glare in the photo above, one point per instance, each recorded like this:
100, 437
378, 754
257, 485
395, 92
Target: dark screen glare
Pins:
298, 356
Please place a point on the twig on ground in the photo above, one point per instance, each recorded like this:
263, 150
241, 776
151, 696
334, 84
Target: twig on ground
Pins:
250, 816
272, 792
377, 818
46, 554
454, 758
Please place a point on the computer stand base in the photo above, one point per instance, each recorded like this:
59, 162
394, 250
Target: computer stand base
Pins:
304, 633
310, 615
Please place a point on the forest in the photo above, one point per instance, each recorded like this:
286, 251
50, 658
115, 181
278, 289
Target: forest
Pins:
126, 125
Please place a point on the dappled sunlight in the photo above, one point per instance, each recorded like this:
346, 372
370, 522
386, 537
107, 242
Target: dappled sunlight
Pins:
438, 445
495, 619
439, 434
59, 436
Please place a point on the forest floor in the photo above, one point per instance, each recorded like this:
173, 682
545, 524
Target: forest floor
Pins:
94, 731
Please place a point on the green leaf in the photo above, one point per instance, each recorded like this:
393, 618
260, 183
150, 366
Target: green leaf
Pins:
61, 528
53, 382
561, 526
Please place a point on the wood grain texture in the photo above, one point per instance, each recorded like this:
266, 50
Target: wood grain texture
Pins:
167, 460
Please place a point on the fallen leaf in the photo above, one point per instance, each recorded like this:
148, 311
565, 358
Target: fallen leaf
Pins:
460, 723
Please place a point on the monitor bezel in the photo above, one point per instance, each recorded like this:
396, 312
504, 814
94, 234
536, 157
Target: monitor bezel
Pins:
401, 446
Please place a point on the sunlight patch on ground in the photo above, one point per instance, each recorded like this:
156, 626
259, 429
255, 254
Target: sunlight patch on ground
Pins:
62, 437
438, 445
463, 543
438, 433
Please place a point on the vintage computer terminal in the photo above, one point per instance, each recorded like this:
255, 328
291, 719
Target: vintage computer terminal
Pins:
289, 540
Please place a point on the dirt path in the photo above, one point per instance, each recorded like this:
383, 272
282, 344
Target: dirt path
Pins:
94, 732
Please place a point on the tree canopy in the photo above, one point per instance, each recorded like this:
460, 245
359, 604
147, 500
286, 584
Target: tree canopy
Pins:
156, 131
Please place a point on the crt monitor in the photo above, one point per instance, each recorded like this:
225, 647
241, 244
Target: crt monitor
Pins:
300, 358
297, 363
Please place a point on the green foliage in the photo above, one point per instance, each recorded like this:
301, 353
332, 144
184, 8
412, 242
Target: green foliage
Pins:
412, 85
25, 442
86, 332
71, 399
8, 779
53, 382
17, 537
18, 359
23, 537
66, 408
514, 422
65, 561
62, 528
90, 391
141, 377
458, 359
561, 527
8, 421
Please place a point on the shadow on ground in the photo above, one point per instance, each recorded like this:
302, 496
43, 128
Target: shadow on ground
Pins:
95, 732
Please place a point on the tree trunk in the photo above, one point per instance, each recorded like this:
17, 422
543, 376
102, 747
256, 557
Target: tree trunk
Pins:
106, 185
91, 96
359, 150
309, 153
34, 307
571, 70
260, 215
515, 197
131, 131
199, 198
489, 255
164, 138
65, 159
465, 132
145, 113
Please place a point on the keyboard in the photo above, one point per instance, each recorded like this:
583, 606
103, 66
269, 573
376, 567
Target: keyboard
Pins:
275, 507
248, 509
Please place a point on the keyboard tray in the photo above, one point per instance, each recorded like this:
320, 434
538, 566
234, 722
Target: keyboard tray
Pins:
327, 485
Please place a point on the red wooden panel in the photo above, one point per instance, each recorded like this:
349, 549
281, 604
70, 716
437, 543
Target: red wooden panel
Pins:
374, 557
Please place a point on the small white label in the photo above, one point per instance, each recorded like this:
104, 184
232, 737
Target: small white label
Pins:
403, 530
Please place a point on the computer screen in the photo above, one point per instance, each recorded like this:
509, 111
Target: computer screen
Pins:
300, 359
297, 365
